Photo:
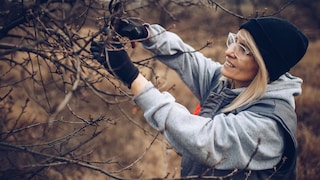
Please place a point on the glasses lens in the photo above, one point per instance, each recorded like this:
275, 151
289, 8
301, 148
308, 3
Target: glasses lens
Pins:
239, 49
231, 39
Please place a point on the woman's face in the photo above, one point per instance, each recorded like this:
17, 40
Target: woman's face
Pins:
240, 65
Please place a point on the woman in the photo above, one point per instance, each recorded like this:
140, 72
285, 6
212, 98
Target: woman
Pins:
247, 122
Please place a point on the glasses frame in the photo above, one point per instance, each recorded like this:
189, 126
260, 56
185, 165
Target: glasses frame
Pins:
232, 41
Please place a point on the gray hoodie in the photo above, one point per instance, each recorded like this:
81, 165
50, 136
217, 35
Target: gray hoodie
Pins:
218, 140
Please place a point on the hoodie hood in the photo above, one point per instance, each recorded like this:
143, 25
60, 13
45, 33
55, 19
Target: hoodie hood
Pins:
285, 88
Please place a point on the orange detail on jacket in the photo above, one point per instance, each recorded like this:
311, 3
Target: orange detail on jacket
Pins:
197, 110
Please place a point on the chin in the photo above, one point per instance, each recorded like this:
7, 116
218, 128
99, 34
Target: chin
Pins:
225, 73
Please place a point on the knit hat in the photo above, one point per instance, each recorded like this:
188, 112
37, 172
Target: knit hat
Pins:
281, 44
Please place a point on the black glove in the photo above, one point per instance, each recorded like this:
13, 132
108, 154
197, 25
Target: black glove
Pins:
119, 64
131, 29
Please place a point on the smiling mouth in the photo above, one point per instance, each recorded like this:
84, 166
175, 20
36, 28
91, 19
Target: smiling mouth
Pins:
227, 63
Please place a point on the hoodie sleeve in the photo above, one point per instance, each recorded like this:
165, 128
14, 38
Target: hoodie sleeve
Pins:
197, 71
230, 138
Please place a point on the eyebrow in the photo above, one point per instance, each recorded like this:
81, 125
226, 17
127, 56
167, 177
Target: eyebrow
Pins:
238, 37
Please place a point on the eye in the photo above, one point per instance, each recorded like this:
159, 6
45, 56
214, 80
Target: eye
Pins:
244, 49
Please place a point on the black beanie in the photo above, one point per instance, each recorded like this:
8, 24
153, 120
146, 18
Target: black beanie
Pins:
281, 44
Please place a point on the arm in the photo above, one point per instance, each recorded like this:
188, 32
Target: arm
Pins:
138, 84
197, 71
208, 141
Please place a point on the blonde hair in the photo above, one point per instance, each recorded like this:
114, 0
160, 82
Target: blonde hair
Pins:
258, 85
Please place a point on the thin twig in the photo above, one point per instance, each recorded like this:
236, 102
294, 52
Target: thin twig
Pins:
57, 158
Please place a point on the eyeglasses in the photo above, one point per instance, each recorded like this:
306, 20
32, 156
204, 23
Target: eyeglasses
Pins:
239, 50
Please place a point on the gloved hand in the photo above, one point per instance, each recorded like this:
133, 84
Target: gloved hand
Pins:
131, 29
117, 63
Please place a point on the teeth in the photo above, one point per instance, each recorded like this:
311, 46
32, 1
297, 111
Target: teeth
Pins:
228, 64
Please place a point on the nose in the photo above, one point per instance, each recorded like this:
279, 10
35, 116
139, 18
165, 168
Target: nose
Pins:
230, 51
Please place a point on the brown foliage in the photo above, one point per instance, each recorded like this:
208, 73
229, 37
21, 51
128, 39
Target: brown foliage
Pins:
62, 116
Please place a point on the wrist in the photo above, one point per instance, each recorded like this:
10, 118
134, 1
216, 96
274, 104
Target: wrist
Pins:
138, 84
146, 27
144, 33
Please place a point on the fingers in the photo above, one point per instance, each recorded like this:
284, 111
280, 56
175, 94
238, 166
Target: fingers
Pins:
97, 43
97, 46
97, 49
94, 49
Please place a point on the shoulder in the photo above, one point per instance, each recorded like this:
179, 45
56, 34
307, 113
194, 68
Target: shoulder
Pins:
267, 106
276, 109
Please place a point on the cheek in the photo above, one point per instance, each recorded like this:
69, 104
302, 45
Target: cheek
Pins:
250, 69
244, 71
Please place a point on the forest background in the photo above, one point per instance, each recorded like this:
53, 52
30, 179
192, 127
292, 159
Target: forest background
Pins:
62, 116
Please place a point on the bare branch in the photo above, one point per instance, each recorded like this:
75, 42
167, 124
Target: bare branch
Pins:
61, 160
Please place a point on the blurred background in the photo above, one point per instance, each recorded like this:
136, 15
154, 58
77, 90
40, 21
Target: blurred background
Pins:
62, 116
